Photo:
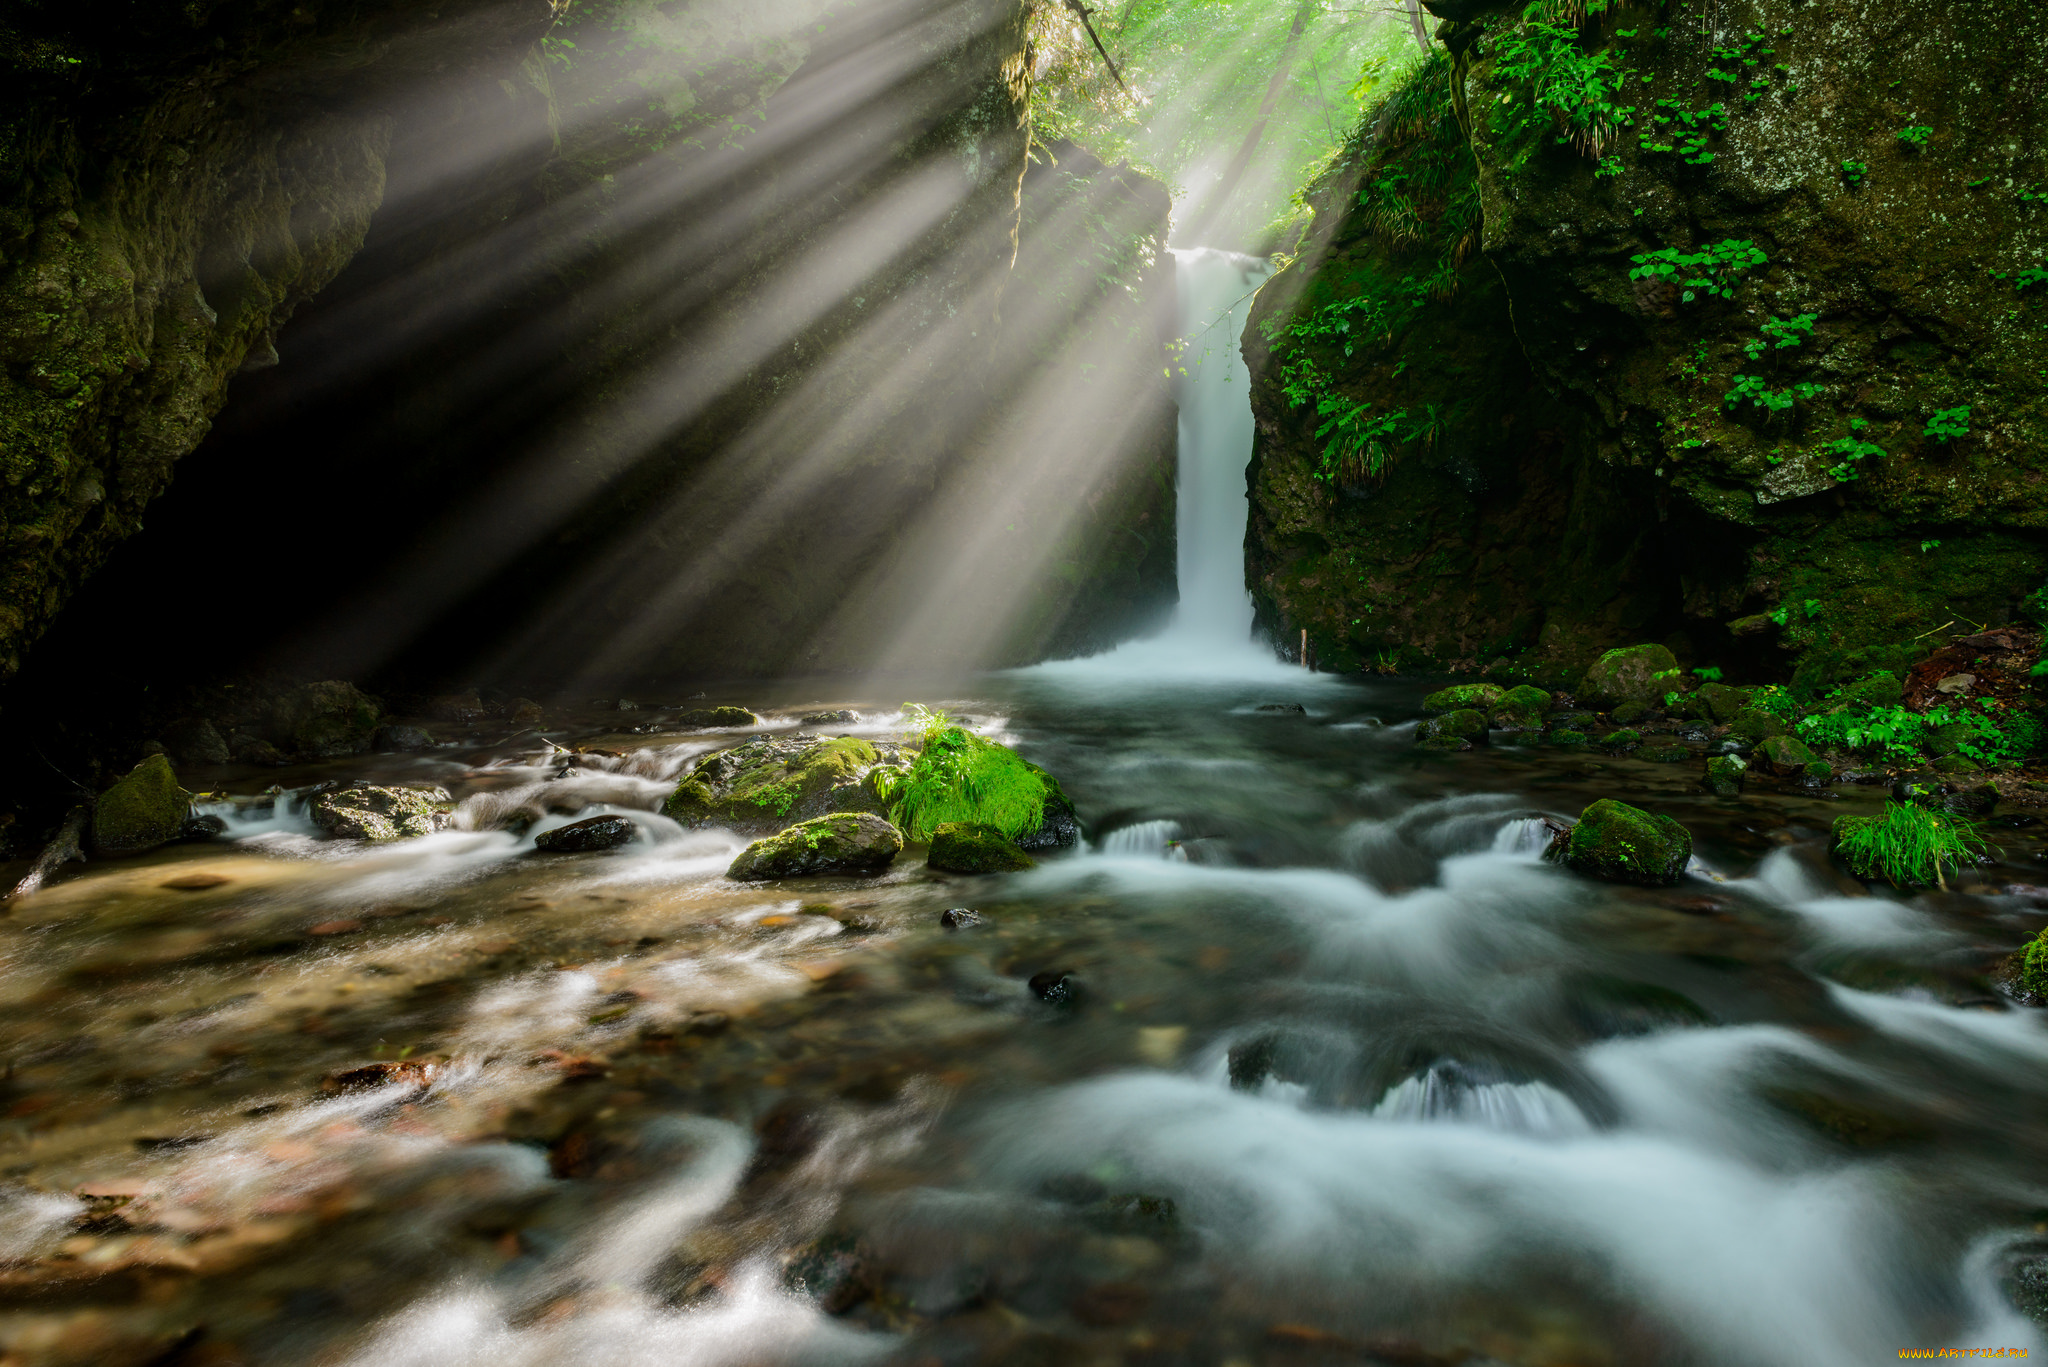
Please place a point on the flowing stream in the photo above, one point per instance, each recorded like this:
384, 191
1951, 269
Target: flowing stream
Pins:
1344, 1072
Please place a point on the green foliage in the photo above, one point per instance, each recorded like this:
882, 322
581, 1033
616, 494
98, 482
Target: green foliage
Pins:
1754, 389
1927, 546
1714, 269
1570, 90
1709, 674
1909, 845
1853, 172
1915, 135
2030, 277
1784, 613
1776, 699
959, 776
1984, 735
1949, 424
1780, 334
1684, 131
1850, 449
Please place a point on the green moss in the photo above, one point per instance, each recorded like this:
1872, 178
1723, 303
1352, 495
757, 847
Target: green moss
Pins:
1754, 726
961, 777
846, 842
718, 716
1618, 843
140, 812
971, 847
1640, 674
1724, 775
1464, 724
1783, 755
1479, 697
1621, 740
1719, 702
767, 781
1909, 845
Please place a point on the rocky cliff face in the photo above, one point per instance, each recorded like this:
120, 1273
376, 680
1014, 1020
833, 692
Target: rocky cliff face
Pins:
725, 340
175, 180
1706, 325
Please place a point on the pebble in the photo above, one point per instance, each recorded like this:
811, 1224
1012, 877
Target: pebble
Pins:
960, 918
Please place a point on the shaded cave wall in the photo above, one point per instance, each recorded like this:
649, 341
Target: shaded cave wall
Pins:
1593, 485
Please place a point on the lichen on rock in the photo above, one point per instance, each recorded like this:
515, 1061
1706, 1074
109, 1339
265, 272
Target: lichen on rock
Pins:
365, 811
775, 780
847, 842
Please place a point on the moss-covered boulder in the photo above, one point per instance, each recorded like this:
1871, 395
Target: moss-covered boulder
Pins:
1724, 775
718, 716
975, 847
1618, 741
1719, 703
1753, 726
367, 811
1631, 713
1879, 690
771, 782
847, 842
1571, 738
1465, 726
143, 810
1618, 843
1521, 709
330, 718
1641, 674
959, 776
1479, 697
1667, 753
1785, 756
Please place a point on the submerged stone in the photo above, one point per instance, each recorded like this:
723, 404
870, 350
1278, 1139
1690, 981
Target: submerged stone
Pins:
974, 847
596, 833
847, 842
1480, 697
1464, 724
367, 811
145, 809
1622, 844
1641, 674
1665, 754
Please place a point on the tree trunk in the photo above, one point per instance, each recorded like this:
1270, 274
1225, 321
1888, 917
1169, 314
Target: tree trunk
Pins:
1234, 173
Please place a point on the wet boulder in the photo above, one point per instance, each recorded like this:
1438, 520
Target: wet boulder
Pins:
1785, 756
975, 847
1879, 690
581, 837
400, 740
1719, 703
143, 810
718, 716
365, 811
1476, 697
847, 842
842, 717
1631, 713
1753, 726
1641, 674
1520, 709
1617, 742
1617, 843
1453, 730
1568, 736
330, 718
1282, 709
195, 741
1724, 775
771, 782
248, 749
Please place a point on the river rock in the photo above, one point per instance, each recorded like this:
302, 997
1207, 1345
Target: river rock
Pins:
145, 809
1642, 674
330, 718
1753, 726
194, 741
1665, 754
1567, 736
846, 842
248, 749
973, 847
960, 918
1719, 702
366, 811
1724, 775
770, 782
1785, 756
1622, 844
1285, 709
718, 716
456, 707
843, 717
1619, 741
1453, 730
1519, 709
597, 833
1879, 690
1476, 697
1630, 713
400, 740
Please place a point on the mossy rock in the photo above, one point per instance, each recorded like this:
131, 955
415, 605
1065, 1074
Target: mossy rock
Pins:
1445, 743
974, 847
1621, 740
718, 716
1720, 703
1527, 696
321, 720
1753, 726
1630, 713
1724, 775
1567, 737
367, 811
1618, 843
1879, 690
771, 782
846, 842
1665, 754
1783, 755
145, 809
1464, 724
1642, 674
1478, 697
1817, 773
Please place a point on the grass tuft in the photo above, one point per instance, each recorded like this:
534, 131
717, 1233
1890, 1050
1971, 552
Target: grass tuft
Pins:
958, 776
1908, 844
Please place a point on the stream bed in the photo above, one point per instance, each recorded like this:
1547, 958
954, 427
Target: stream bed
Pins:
1340, 1071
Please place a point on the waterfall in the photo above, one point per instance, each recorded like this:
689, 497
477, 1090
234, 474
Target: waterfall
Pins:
1214, 393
